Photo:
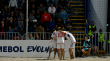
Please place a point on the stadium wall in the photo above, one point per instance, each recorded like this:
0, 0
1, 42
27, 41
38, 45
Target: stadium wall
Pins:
97, 12
29, 48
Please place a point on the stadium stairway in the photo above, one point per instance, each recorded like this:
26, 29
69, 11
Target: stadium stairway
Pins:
78, 22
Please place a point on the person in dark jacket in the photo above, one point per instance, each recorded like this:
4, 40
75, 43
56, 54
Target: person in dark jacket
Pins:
51, 25
38, 16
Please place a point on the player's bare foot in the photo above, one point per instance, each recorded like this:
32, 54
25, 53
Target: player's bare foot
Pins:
54, 58
48, 57
72, 57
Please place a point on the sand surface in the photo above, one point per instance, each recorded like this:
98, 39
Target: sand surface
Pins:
51, 59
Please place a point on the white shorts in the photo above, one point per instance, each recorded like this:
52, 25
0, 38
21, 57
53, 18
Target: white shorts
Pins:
72, 45
60, 46
53, 45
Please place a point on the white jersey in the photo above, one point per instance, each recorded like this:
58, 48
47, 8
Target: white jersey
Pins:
53, 36
70, 37
60, 37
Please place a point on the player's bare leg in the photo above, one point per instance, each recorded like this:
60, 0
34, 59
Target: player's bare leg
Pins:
58, 50
55, 52
62, 54
71, 53
88, 51
49, 52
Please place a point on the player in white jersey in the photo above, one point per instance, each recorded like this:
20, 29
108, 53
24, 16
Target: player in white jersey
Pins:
60, 44
53, 44
71, 38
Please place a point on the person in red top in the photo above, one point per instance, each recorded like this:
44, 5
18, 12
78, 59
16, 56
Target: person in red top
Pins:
2, 30
45, 18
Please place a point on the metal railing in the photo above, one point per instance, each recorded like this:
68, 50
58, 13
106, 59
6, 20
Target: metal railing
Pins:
10, 36
80, 38
97, 45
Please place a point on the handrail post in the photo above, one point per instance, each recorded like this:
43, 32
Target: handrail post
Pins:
86, 16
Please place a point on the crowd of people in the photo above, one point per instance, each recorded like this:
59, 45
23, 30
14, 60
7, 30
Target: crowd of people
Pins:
43, 14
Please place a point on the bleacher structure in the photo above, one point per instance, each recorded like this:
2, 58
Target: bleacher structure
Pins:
78, 21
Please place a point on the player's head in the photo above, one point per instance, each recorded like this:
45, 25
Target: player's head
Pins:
86, 38
59, 28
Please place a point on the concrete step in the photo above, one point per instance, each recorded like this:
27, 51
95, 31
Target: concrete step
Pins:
79, 23
76, 5
78, 30
76, 1
78, 8
77, 12
78, 27
79, 38
77, 16
77, 19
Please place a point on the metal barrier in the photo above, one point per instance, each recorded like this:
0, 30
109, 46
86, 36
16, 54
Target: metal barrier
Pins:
10, 36
80, 38
37, 36
98, 44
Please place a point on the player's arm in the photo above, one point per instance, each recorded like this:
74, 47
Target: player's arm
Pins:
55, 38
54, 32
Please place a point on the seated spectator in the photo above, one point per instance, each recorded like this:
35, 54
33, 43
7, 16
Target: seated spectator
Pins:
68, 25
33, 9
68, 9
41, 8
50, 2
3, 30
31, 37
31, 17
5, 2
63, 16
7, 19
6, 10
45, 18
38, 16
12, 14
21, 16
2, 12
86, 46
42, 2
62, 2
33, 2
40, 31
11, 23
20, 25
34, 26
59, 23
101, 39
10, 34
13, 5
37, 37
51, 26
52, 11
20, 4
58, 9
